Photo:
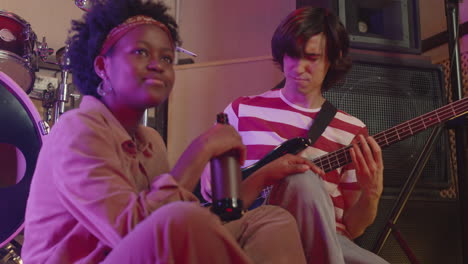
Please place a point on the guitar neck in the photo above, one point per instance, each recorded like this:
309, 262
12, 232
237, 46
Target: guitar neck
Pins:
341, 157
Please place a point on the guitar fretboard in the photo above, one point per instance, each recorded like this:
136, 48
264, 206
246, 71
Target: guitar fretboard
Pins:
395, 134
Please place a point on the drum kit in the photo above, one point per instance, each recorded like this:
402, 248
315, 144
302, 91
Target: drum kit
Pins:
23, 128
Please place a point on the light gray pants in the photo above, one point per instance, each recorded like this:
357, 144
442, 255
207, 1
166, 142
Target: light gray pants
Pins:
305, 197
184, 232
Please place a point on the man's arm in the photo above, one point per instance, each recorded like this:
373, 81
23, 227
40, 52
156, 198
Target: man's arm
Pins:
362, 204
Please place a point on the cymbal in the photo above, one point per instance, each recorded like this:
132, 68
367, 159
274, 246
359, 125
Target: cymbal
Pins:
83, 4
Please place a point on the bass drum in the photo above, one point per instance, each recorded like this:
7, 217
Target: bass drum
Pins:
17, 56
20, 141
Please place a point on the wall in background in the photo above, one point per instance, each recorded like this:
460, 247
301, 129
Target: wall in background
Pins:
232, 39
223, 30
205, 89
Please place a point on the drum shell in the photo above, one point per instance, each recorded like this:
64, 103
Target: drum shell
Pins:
19, 115
17, 56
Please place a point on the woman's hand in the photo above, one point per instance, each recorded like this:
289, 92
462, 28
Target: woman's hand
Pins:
221, 138
215, 141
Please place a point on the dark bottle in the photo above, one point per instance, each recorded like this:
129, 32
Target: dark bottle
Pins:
225, 182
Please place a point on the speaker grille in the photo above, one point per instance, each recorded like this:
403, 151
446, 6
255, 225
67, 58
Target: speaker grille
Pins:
384, 95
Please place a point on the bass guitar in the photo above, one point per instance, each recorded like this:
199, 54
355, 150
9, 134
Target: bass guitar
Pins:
341, 157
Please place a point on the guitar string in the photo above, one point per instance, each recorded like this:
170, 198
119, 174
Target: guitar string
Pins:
341, 157
395, 136
392, 138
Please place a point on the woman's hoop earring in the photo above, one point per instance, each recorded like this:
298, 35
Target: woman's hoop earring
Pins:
100, 90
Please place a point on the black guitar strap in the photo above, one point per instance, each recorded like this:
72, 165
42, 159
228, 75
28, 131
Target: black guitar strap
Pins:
324, 117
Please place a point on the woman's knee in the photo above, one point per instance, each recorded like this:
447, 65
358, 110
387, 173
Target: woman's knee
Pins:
273, 210
272, 213
183, 215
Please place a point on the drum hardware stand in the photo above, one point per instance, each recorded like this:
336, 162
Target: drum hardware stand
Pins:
43, 50
461, 137
62, 93
62, 96
48, 101
11, 253
31, 36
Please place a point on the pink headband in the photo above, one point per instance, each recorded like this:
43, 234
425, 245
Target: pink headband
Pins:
119, 31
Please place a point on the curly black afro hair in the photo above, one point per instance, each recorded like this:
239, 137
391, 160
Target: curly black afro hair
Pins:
87, 35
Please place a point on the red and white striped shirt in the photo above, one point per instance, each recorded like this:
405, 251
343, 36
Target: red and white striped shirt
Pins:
267, 120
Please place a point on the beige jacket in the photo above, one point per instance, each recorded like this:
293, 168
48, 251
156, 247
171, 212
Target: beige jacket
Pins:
92, 185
